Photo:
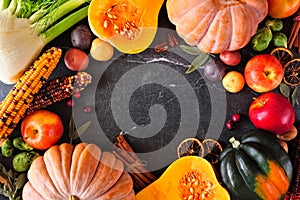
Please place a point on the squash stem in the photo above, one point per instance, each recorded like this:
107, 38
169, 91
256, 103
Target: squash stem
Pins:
235, 143
72, 197
64, 24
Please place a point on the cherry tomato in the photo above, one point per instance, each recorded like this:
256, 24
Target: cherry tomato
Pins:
76, 59
231, 58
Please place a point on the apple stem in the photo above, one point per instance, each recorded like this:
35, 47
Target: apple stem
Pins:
259, 101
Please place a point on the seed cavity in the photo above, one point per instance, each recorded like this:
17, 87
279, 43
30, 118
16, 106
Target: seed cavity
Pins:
124, 19
193, 187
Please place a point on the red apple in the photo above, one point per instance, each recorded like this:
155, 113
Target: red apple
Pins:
272, 112
263, 73
42, 129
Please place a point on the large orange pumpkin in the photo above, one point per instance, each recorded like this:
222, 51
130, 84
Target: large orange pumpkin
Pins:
82, 172
217, 25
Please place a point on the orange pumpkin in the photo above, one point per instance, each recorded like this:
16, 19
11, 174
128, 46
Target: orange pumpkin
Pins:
217, 25
77, 173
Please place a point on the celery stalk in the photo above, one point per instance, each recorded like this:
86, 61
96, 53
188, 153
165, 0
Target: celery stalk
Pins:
54, 15
64, 24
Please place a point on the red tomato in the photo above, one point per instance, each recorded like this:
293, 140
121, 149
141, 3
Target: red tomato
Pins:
283, 8
76, 59
231, 58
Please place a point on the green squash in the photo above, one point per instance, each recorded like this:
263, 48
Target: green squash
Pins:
256, 167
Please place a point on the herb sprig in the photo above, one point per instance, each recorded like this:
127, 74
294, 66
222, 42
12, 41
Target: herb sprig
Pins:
11, 183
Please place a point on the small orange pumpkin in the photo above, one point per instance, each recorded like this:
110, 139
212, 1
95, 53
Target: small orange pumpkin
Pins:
78, 173
217, 25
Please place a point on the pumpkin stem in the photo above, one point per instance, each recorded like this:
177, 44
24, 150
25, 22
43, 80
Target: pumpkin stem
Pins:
235, 143
72, 197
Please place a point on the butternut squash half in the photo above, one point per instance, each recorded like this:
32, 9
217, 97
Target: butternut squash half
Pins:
128, 25
189, 177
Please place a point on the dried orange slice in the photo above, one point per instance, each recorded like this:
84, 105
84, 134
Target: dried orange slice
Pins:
212, 150
283, 54
292, 72
190, 147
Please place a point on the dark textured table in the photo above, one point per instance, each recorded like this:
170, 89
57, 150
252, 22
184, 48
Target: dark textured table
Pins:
149, 96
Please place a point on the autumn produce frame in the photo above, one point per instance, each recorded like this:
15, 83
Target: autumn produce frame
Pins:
247, 48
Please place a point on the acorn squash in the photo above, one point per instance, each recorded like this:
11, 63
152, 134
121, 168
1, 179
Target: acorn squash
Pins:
77, 173
189, 177
129, 26
256, 167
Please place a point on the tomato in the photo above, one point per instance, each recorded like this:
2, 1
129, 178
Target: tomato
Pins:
283, 8
76, 59
231, 58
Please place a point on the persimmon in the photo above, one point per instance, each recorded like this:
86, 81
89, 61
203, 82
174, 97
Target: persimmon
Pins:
282, 8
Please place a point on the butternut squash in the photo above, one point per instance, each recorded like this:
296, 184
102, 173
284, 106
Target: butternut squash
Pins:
128, 25
189, 177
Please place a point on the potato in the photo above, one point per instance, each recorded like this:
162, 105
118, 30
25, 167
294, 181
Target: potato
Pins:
101, 50
76, 59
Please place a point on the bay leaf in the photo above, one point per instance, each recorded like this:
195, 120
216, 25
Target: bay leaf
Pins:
71, 127
82, 129
197, 62
284, 90
20, 181
295, 96
191, 50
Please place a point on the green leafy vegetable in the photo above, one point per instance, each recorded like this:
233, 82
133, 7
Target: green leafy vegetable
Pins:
280, 39
7, 148
262, 38
20, 144
22, 161
26, 26
274, 24
11, 183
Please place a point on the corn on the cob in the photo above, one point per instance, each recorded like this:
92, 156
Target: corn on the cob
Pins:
59, 89
14, 106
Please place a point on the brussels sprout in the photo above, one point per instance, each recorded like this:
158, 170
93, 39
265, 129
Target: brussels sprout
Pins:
280, 39
274, 24
22, 161
7, 149
19, 143
261, 40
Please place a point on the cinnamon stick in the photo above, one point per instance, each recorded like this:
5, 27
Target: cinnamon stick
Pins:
135, 166
294, 38
138, 179
122, 143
